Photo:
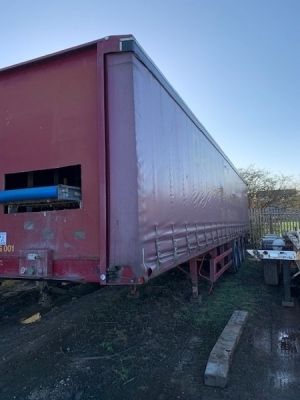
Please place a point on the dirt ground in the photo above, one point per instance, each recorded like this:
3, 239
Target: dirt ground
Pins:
104, 345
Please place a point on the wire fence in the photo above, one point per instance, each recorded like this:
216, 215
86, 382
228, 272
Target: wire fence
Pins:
264, 221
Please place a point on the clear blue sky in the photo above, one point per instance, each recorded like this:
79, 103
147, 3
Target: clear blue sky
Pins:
234, 62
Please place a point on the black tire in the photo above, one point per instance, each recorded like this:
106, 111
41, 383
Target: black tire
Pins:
239, 250
243, 247
271, 276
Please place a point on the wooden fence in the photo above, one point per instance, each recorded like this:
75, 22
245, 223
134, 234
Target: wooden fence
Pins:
263, 221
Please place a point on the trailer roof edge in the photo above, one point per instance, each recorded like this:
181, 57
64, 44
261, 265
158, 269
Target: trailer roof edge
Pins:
131, 44
61, 53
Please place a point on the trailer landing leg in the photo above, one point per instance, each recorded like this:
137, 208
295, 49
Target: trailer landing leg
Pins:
196, 298
288, 300
45, 298
286, 257
133, 293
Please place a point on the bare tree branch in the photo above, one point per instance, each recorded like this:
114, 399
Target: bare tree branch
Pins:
266, 189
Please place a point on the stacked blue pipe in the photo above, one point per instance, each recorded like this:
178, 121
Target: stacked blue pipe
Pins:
37, 193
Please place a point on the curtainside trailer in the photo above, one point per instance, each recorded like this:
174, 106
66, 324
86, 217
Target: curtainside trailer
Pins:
106, 174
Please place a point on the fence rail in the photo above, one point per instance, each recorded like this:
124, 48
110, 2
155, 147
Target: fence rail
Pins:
263, 221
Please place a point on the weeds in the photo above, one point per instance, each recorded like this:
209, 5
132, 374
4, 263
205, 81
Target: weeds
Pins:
107, 346
243, 291
124, 325
123, 374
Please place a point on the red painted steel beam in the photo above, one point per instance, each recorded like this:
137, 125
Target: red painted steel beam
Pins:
214, 275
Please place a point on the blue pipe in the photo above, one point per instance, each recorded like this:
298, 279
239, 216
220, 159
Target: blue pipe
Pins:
37, 193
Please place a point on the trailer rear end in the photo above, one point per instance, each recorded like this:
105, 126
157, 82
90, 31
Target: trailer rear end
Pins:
107, 176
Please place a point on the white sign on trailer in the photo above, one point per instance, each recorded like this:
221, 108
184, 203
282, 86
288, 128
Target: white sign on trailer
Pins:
2, 238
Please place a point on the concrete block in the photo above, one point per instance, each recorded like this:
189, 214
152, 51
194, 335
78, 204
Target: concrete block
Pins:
285, 303
217, 369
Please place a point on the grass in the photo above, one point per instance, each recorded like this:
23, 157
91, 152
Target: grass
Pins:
123, 374
107, 346
152, 329
243, 291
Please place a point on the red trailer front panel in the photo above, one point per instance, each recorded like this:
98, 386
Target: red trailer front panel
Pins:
49, 136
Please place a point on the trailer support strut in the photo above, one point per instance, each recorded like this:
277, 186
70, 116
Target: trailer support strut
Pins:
194, 279
288, 301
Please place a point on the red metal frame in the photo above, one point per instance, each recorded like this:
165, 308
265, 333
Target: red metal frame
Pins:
216, 272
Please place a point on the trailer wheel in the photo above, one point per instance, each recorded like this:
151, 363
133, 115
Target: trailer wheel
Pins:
240, 252
243, 248
271, 273
235, 258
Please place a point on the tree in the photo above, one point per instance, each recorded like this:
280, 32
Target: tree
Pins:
266, 189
